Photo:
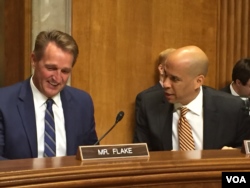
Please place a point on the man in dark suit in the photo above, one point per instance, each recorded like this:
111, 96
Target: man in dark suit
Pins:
217, 120
240, 85
23, 105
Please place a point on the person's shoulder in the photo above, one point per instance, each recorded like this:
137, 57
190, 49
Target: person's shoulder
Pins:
225, 89
12, 93
75, 91
13, 88
222, 102
220, 95
154, 88
153, 96
79, 98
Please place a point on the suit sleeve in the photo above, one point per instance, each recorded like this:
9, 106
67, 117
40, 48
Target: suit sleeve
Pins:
1, 137
243, 132
142, 133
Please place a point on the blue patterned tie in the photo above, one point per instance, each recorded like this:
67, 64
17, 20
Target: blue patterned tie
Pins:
49, 134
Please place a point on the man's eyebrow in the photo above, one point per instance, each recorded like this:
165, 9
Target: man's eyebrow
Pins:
50, 65
67, 69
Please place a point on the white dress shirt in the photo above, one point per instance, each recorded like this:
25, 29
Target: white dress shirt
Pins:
40, 107
195, 119
236, 94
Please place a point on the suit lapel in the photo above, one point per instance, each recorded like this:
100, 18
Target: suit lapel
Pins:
165, 121
210, 122
68, 110
27, 112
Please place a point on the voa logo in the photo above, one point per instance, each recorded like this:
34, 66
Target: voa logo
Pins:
236, 179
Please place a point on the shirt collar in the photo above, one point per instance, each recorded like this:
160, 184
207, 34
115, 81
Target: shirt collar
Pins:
41, 99
234, 92
195, 105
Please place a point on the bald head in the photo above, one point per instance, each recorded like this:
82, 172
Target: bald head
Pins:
191, 57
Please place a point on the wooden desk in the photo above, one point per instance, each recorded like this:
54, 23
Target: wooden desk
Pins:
174, 169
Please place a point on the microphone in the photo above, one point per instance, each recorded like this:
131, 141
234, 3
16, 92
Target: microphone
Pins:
118, 118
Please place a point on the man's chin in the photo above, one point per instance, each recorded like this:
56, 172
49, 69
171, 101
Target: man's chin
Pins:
170, 98
51, 94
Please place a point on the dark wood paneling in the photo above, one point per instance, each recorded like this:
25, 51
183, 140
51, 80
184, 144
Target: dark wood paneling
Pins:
17, 32
233, 37
1, 41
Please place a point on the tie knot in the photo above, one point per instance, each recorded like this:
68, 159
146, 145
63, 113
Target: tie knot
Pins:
49, 103
184, 110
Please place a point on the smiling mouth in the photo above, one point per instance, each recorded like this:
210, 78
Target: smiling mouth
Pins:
53, 84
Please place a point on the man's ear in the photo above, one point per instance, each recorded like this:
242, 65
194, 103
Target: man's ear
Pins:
200, 80
238, 82
161, 69
33, 60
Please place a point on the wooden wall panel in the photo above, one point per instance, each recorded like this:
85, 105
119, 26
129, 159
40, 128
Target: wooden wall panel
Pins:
17, 31
233, 37
180, 23
1, 42
119, 41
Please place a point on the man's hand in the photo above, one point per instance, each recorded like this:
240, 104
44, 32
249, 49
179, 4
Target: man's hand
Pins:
225, 147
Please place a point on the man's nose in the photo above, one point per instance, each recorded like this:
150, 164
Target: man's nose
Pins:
166, 82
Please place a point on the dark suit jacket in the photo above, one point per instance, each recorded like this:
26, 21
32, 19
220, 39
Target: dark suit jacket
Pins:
226, 89
18, 137
139, 96
225, 121
153, 88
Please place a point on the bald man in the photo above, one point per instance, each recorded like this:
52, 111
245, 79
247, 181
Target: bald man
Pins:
217, 119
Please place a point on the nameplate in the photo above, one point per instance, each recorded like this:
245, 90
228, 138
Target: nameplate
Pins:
112, 151
246, 147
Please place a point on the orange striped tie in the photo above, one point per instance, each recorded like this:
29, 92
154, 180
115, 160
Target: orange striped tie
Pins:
186, 140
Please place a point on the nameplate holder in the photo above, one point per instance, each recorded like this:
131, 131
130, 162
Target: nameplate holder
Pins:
112, 151
246, 147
